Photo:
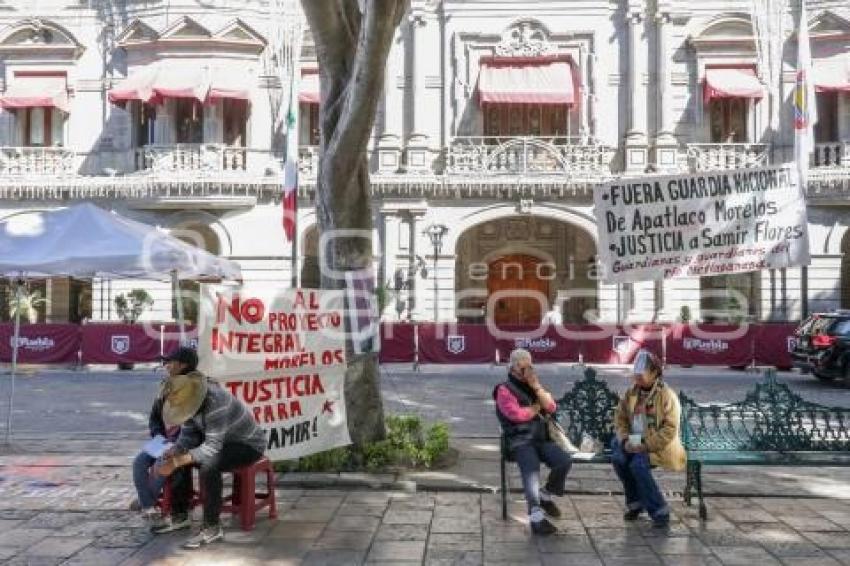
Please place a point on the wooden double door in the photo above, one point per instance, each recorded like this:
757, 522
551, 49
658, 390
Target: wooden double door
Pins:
522, 286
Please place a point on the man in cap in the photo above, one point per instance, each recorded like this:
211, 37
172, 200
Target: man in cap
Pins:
181, 361
647, 427
218, 434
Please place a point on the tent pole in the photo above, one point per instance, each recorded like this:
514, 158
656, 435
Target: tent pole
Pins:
175, 282
15, 346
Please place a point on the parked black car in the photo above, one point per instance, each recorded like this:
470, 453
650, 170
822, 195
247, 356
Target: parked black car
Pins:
823, 346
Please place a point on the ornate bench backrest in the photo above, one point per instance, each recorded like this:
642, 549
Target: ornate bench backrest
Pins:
588, 408
770, 418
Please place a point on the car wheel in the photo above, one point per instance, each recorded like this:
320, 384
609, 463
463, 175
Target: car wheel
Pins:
825, 378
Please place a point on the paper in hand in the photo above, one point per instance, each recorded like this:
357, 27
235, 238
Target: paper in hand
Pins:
156, 446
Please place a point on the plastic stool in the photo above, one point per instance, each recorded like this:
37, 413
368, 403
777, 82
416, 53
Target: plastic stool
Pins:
244, 499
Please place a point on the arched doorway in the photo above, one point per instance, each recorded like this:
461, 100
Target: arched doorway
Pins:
845, 270
523, 294
535, 254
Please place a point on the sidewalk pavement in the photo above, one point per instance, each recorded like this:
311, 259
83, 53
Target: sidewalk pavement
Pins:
65, 503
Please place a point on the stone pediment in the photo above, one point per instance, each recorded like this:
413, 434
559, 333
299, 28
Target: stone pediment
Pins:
37, 38
237, 30
185, 28
137, 32
827, 24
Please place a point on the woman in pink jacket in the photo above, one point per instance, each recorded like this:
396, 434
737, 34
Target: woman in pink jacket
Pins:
521, 404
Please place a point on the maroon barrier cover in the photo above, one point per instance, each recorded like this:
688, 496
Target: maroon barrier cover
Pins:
455, 344
397, 343
127, 343
773, 344
545, 345
41, 343
710, 345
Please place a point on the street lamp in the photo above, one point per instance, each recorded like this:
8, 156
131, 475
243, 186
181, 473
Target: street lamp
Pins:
436, 233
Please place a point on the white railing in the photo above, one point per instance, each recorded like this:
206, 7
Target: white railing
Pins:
831, 154
529, 156
190, 157
40, 161
710, 156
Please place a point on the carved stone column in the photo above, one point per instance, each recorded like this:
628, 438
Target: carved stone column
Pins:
636, 142
666, 146
417, 142
389, 142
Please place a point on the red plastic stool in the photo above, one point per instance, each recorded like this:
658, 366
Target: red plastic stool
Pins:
166, 497
244, 499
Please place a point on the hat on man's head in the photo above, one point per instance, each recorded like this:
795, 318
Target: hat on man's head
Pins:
184, 355
645, 360
183, 396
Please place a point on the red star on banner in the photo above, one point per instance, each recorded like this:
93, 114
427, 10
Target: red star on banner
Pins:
328, 407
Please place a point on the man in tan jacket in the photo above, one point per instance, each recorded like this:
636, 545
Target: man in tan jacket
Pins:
647, 423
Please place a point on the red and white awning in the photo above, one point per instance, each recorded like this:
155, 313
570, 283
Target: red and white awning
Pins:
30, 91
832, 76
157, 82
308, 90
732, 82
526, 80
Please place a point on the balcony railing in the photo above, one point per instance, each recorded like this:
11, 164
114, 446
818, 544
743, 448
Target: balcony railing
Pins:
191, 157
831, 154
528, 156
37, 161
709, 156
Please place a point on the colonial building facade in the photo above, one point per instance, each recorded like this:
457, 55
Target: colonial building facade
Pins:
497, 120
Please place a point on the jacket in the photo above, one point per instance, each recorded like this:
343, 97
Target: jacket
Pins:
661, 435
519, 434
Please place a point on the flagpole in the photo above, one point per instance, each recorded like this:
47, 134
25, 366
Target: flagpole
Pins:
292, 137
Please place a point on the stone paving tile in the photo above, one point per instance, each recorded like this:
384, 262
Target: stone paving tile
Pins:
843, 556
311, 514
362, 510
22, 538
829, 540
825, 560
804, 523
562, 544
510, 551
296, 530
52, 520
366, 525
648, 560
678, 545
470, 524
743, 556
407, 517
333, 558
318, 501
448, 557
7, 552
396, 550
690, 560
126, 538
22, 560
403, 532
92, 556
343, 540
58, 547
725, 538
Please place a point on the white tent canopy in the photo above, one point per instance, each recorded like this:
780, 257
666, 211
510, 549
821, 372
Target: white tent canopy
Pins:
86, 241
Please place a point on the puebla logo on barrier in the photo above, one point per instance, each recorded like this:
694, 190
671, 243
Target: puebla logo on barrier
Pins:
38, 344
456, 344
707, 346
791, 344
120, 344
544, 344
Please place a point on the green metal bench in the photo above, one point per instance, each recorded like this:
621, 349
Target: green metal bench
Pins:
772, 426
587, 408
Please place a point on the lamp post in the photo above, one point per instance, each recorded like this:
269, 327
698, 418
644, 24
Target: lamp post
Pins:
436, 233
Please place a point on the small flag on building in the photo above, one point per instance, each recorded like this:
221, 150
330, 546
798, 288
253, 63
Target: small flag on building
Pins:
290, 177
805, 107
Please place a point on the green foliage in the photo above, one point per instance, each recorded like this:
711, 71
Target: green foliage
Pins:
27, 306
131, 306
685, 313
382, 295
409, 444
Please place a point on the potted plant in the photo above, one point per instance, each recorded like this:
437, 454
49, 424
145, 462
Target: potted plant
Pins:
130, 307
26, 306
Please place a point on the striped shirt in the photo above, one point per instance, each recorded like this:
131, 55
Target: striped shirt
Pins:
222, 419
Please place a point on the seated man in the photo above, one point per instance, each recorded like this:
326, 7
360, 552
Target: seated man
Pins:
218, 434
521, 403
149, 486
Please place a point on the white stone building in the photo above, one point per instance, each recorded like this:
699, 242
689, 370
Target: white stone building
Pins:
497, 119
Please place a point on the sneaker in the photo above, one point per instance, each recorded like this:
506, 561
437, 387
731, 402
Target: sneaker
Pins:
207, 535
543, 527
661, 522
550, 509
153, 519
171, 524
632, 514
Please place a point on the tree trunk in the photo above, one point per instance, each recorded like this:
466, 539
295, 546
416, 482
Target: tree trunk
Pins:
353, 39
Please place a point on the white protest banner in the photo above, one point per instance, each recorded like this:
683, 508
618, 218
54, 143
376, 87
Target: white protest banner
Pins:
714, 223
282, 353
